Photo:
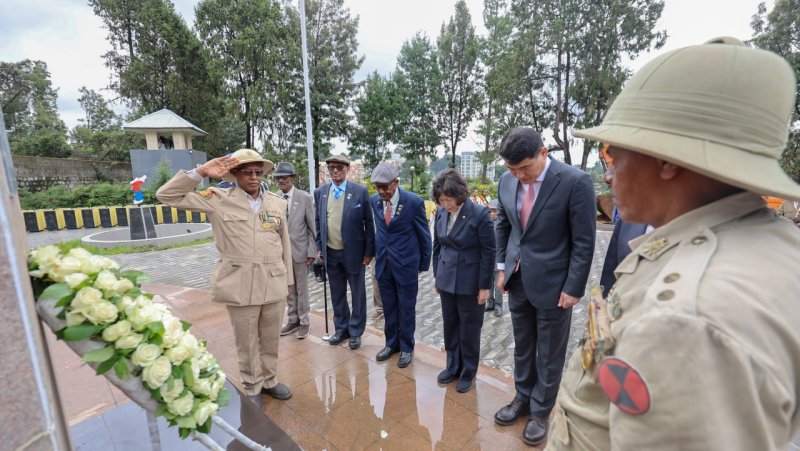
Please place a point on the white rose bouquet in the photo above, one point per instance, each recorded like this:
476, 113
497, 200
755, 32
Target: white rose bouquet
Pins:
133, 335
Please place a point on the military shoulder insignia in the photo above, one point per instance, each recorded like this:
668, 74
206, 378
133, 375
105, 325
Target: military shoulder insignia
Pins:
654, 247
625, 387
205, 193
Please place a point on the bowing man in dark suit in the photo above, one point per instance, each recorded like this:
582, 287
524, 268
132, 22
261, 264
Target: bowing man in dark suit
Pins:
545, 242
402, 251
346, 242
463, 265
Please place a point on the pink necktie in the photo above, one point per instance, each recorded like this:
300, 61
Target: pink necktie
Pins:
387, 214
527, 206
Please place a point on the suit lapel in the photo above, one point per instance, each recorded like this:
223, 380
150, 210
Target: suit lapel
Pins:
512, 212
465, 212
323, 205
348, 194
549, 184
379, 210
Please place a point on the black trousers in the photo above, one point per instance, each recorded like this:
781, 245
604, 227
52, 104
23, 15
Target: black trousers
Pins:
462, 318
345, 321
540, 348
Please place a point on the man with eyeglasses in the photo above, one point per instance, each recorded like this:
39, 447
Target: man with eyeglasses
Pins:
346, 244
402, 251
252, 277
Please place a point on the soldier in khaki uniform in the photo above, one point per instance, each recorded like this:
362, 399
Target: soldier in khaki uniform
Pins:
251, 279
697, 345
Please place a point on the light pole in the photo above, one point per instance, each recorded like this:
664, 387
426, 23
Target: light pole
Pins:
412, 178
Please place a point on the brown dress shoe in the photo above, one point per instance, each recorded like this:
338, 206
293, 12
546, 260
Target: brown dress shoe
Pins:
289, 328
535, 431
508, 414
302, 331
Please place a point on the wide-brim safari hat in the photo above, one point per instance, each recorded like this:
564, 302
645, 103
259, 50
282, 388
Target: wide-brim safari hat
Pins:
247, 156
721, 109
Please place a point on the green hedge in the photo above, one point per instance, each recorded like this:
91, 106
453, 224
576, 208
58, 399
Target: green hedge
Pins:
97, 195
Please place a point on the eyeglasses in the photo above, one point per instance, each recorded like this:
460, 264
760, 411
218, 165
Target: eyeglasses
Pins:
382, 187
605, 156
251, 172
336, 167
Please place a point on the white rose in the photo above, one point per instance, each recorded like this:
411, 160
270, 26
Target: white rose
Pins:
79, 253
177, 389
128, 341
139, 302
203, 359
219, 382
124, 303
124, 285
73, 280
178, 354
106, 281
103, 312
109, 264
38, 273
115, 331
202, 387
93, 264
45, 256
181, 406
86, 297
146, 354
64, 267
140, 317
173, 331
75, 318
205, 410
157, 373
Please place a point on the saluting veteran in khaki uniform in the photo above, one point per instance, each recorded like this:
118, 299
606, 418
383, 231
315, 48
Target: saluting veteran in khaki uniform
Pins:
697, 345
251, 279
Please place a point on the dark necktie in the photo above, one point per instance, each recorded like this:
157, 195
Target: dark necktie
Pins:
286, 196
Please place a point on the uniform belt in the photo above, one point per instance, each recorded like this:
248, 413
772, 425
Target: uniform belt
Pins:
253, 258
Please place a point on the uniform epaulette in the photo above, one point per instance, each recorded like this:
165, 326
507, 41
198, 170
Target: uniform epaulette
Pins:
276, 195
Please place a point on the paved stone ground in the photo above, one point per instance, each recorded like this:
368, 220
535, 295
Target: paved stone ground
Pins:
193, 266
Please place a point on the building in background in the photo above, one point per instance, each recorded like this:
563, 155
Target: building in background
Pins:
356, 173
471, 167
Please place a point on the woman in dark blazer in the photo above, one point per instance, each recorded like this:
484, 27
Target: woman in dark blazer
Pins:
463, 265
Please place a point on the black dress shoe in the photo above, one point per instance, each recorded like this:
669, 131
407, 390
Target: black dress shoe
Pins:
445, 377
498, 311
385, 353
508, 414
535, 431
355, 343
337, 338
464, 384
405, 359
279, 391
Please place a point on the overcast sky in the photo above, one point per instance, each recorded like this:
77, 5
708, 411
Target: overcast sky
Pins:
71, 40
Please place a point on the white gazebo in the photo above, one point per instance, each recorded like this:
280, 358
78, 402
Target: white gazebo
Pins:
165, 130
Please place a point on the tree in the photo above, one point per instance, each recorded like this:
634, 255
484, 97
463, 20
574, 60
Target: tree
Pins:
457, 59
246, 38
779, 31
28, 102
157, 62
418, 88
99, 117
332, 63
376, 111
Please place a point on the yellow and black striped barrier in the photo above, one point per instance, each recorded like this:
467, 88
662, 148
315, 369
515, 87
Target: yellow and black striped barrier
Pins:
102, 217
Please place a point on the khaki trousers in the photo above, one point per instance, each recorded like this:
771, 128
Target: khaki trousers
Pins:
298, 295
256, 329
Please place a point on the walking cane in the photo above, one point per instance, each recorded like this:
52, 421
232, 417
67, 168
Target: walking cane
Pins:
319, 271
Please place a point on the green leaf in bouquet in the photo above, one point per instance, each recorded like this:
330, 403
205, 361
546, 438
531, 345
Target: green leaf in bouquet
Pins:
133, 292
81, 332
205, 428
156, 340
188, 377
184, 432
187, 421
60, 333
177, 372
224, 397
121, 369
107, 365
57, 291
186, 325
161, 410
62, 315
136, 277
156, 327
99, 355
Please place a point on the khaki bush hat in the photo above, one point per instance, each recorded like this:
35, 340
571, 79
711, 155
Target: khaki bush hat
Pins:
247, 156
720, 109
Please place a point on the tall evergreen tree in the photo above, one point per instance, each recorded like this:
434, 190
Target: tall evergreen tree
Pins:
457, 58
376, 112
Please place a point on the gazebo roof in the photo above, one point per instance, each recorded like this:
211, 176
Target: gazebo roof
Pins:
163, 120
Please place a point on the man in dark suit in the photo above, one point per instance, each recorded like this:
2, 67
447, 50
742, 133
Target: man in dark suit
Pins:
618, 249
545, 241
403, 250
346, 243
